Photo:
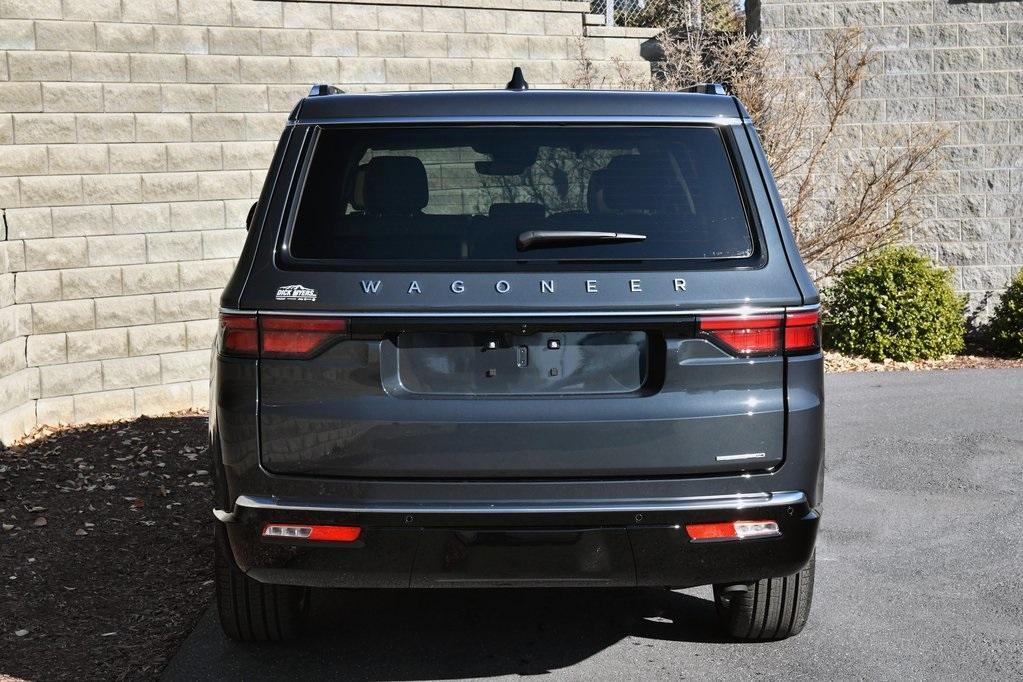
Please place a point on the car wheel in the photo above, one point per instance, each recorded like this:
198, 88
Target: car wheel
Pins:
769, 609
251, 611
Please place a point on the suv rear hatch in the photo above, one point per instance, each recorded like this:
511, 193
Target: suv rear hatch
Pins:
482, 302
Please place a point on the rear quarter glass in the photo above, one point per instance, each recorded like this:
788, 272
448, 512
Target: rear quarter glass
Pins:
459, 197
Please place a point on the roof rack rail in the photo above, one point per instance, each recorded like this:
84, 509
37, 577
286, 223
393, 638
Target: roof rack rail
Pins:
705, 89
321, 89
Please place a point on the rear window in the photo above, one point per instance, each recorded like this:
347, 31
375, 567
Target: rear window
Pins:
458, 194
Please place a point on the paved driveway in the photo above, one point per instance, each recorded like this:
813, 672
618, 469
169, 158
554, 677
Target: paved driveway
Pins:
920, 561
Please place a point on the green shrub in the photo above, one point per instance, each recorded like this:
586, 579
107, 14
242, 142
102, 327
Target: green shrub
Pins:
894, 304
1006, 328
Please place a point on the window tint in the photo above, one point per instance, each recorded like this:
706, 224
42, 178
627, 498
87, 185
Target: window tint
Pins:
467, 193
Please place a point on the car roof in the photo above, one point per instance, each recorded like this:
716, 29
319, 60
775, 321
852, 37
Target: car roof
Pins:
457, 105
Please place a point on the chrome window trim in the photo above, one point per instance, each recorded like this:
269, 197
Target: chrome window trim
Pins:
528, 313
706, 502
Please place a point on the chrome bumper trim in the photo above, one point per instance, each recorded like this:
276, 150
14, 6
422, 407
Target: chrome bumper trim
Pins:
721, 502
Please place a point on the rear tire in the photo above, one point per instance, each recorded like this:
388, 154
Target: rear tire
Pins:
769, 609
251, 611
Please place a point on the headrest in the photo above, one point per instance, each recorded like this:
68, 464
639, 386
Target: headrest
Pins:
358, 199
637, 182
523, 211
394, 185
593, 190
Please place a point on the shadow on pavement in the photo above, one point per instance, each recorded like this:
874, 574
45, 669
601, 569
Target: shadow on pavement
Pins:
446, 634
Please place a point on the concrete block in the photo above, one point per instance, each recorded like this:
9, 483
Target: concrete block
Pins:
97, 344
105, 127
181, 39
194, 156
44, 128
187, 366
180, 306
52, 254
92, 10
201, 334
158, 400
37, 286
216, 127
179, 97
58, 411
62, 316
131, 372
197, 215
157, 338
124, 37
91, 282
39, 66
72, 97
285, 41
158, 68
124, 311
174, 246
163, 127
29, 223
139, 157
112, 189
79, 221
24, 160
122, 249
151, 278
169, 186
104, 406
79, 158
205, 12
50, 190
134, 218
132, 97
100, 66
65, 35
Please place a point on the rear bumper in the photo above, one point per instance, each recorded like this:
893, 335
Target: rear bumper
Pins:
520, 545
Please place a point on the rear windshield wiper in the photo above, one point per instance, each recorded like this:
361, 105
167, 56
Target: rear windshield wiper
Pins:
538, 239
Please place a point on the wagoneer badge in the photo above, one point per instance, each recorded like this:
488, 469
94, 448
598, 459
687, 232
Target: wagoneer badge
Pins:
296, 292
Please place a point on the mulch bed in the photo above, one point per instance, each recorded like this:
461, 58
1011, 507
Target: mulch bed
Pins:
976, 355
104, 548
836, 362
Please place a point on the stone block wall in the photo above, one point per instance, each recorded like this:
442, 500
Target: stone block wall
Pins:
958, 63
134, 135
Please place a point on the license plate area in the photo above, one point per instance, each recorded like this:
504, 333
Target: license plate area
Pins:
537, 364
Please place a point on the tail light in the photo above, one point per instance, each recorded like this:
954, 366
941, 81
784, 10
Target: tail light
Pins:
732, 530
791, 334
239, 335
279, 336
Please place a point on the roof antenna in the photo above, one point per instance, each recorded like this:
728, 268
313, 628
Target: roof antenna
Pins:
518, 81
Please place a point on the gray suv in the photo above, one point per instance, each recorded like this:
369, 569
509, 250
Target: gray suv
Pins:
517, 338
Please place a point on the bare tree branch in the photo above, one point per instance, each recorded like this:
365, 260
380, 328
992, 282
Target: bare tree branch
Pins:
842, 203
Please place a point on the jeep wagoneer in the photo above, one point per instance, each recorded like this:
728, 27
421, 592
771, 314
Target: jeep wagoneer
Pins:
517, 338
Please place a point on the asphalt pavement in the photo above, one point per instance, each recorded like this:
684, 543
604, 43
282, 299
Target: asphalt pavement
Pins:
919, 575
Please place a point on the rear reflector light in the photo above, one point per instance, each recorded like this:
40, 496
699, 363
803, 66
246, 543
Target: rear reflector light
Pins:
733, 530
279, 336
793, 333
290, 531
